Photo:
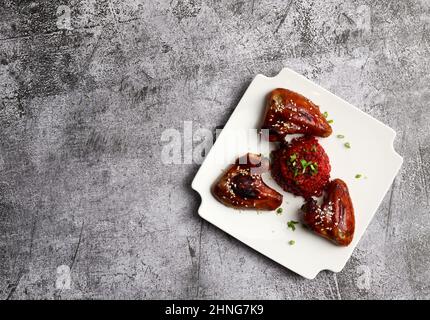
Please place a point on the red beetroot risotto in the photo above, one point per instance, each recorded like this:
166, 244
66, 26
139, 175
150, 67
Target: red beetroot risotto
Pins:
302, 167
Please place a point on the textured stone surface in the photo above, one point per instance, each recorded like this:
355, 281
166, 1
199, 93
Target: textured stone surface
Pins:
81, 116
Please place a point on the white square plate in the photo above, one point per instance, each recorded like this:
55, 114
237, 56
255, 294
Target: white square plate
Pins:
371, 154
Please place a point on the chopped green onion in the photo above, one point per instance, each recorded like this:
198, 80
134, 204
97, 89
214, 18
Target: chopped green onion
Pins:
325, 114
330, 121
293, 157
310, 164
340, 136
291, 242
304, 163
358, 176
314, 168
347, 145
279, 211
291, 224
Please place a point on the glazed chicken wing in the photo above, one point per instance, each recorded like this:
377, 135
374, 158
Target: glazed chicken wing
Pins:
288, 112
334, 220
242, 186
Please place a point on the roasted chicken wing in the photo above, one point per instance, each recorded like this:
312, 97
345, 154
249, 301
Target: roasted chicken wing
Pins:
288, 112
334, 220
242, 186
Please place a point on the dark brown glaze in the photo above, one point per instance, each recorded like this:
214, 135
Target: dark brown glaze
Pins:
334, 220
242, 186
288, 112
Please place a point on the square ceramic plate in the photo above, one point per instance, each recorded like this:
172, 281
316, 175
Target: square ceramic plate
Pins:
371, 154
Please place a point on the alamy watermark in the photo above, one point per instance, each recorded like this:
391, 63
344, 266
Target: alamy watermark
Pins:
64, 279
64, 18
363, 280
187, 146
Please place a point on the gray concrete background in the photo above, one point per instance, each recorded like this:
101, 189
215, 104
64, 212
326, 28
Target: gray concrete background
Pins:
82, 112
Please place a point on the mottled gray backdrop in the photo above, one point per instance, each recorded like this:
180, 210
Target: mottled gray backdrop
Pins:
87, 210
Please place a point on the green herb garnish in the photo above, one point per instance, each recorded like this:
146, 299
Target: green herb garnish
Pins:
291, 224
358, 176
293, 157
340, 136
325, 114
279, 210
347, 145
310, 164
291, 242
330, 121
314, 168
304, 163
